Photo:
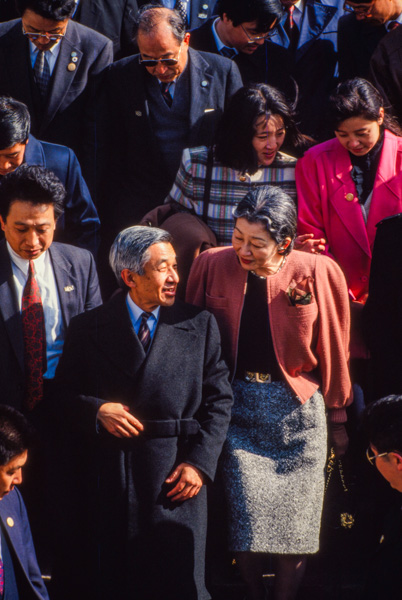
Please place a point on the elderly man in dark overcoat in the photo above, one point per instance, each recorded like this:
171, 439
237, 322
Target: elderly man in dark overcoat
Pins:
144, 381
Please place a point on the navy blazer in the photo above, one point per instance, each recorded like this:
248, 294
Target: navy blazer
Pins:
65, 117
15, 525
79, 225
78, 288
136, 178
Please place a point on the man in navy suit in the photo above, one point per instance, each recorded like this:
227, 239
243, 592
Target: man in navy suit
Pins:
20, 577
49, 62
79, 224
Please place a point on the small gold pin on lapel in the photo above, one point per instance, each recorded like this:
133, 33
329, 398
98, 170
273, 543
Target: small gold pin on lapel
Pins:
71, 66
68, 288
10, 522
350, 197
209, 110
138, 113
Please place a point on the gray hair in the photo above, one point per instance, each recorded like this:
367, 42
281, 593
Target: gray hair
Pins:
150, 16
274, 209
130, 250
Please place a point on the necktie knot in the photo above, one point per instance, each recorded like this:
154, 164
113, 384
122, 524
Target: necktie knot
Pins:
165, 90
228, 52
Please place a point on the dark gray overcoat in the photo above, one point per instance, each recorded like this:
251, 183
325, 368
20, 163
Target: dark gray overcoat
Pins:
135, 542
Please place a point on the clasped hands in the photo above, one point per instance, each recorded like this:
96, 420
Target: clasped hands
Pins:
118, 421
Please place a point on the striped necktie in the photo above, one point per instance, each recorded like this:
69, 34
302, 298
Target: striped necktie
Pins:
144, 335
42, 73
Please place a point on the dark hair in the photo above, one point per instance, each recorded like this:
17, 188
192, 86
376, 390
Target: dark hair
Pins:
15, 122
265, 12
235, 133
358, 98
149, 17
34, 184
56, 10
272, 207
382, 423
16, 434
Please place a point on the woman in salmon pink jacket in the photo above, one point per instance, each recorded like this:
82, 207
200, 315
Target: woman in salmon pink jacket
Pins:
284, 322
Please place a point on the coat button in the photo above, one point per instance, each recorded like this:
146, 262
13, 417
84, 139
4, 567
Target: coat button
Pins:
350, 197
364, 278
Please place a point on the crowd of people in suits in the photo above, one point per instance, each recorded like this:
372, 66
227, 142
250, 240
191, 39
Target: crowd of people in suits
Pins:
244, 156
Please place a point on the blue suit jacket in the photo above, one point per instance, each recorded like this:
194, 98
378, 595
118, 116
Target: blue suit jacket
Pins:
78, 288
79, 225
15, 525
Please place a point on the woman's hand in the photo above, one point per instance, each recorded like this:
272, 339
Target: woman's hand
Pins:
339, 439
307, 243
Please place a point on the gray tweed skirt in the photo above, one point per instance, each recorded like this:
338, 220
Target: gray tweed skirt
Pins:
273, 466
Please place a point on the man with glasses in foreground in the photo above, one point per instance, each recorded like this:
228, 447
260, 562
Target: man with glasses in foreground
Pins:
382, 423
47, 62
359, 32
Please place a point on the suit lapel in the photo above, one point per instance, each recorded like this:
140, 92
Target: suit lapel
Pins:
8, 306
67, 285
201, 79
62, 77
34, 154
345, 202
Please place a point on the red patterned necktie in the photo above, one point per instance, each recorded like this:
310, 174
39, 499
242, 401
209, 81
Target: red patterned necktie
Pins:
144, 335
33, 327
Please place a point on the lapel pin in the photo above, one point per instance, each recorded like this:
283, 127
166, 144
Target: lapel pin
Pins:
71, 66
350, 197
68, 288
138, 113
10, 522
202, 15
73, 53
204, 83
74, 59
209, 110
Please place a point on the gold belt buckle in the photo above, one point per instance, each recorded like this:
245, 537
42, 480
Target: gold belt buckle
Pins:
258, 377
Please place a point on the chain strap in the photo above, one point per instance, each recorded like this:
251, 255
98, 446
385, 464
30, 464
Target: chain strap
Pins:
346, 519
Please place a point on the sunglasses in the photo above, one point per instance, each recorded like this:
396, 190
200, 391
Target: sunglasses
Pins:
168, 62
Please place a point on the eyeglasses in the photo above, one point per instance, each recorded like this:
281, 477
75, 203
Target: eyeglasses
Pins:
52, 37
373, 457
257, 38
358, 9
168, 62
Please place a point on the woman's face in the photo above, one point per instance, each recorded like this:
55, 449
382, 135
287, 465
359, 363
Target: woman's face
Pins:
268, 138
358, 135
255, 248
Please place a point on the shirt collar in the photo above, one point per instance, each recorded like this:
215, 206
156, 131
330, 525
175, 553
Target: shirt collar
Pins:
23, 263
136, 312
218, 41
398, 19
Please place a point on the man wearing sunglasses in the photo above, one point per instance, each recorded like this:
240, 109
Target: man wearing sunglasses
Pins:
360, 30
152, 106
48, 62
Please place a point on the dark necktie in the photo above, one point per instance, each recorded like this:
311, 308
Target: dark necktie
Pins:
33, 328
228, 52
392, 25
165, 87
291, 28
42, 73
144, 335
181, 7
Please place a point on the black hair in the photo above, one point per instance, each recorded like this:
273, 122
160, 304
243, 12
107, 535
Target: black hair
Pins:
272, 207
149, 17
15, 122
16, 434
265, 12
30, 183
235, 133
382, 423
358, 98
55, 10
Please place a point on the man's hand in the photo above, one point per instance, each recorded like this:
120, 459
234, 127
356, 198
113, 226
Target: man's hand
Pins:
189, 482
307, 243
117, 420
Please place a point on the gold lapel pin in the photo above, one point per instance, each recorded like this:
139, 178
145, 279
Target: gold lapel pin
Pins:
350, 197
10, 522
68, 288
71, 66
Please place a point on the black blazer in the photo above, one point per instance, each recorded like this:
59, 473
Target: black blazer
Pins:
386, 71
135, 176
77, 285
64, 119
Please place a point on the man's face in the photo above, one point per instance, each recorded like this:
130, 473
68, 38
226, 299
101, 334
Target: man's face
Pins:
377, 12
11, 473
244, 37
29, 228
35, 24
11, 158
157, 287
162, 44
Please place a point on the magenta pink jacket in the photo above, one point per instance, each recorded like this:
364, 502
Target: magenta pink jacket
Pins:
305, 337
328, 205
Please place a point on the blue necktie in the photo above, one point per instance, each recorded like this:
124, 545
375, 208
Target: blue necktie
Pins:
42, 73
